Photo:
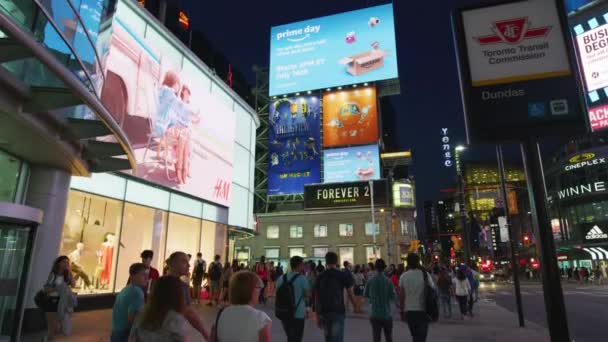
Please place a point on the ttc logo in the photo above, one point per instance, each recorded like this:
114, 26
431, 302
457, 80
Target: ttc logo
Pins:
513, 31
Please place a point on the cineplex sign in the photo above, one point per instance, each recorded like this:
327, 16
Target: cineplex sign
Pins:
345, 195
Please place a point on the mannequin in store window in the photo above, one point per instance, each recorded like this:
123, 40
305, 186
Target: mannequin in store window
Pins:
107, 253
76, 267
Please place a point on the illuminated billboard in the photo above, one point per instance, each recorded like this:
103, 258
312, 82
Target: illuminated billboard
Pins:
350, 117
351, 164
403, 195
294, 144
590, 28
181, 125
341, 49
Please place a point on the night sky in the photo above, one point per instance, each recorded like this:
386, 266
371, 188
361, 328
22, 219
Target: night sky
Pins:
430, 95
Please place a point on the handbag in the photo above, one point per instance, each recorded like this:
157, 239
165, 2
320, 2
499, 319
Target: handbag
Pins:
41, 299
431, 304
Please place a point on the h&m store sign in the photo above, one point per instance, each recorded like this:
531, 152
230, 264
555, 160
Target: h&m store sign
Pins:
345, 195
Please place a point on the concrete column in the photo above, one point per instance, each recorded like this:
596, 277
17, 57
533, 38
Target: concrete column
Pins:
48, 191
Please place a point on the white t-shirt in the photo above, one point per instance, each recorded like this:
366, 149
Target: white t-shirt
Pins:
175, 327
462, 287
241, 323
412, 282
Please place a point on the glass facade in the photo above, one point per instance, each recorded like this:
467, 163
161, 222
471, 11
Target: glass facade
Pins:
110, 220
13, 174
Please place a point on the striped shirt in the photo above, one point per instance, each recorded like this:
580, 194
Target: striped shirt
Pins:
381, 293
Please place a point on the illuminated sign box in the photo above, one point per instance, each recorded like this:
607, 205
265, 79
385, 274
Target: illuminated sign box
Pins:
351, 164
346, 48
345, 195
403, 195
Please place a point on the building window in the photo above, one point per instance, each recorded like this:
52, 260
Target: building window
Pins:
346, 254
272, 232
369, 229
272, 254
299, 251
320, 230
296, 232
370, 256
319, 252
346, 229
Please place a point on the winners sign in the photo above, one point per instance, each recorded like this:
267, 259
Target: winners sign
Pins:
345, 195
516, 76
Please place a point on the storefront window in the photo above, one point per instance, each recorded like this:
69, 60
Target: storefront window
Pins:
208, 241
370, 256
298, 251
9, 177
142, 228
90, 240
346, 254
296, 232
369, 229
272, 254
183, 236
346, 229
320, 230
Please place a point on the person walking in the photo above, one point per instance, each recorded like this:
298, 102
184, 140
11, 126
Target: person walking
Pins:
152, 273
293, 292
261, 269
178, 267
329, 299
129, 303
226, 275
411, 298
164, 318
446, 290
598, 275
241, 321
380, 291
198, 274
57, 286
462, 291
215, 278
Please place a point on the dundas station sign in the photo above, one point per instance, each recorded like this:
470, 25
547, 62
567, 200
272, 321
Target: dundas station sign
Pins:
345, 195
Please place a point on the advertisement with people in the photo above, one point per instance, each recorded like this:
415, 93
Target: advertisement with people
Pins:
351, 164
350, 117
346, 48
294, 144
182, 132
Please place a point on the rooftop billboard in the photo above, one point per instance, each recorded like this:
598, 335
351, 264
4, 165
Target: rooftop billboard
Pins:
180, 123
351, 164
346, 48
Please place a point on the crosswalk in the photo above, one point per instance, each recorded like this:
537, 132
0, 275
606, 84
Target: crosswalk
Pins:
602, 293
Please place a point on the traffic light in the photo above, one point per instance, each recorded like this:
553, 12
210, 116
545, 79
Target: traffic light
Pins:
414, 246
526, 240
456, 242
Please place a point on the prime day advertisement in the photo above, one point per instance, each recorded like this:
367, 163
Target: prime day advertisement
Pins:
351, 164
346, 48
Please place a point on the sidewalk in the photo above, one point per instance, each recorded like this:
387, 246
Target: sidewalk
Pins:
491, 323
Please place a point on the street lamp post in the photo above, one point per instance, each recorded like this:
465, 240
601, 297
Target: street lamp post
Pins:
371, 192
463, 219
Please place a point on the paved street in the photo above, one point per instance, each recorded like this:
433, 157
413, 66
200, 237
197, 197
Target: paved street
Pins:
587, 306
492, 323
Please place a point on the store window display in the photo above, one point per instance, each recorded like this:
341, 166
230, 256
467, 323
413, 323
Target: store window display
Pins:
90, 240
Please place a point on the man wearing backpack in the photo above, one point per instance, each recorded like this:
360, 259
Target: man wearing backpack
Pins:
200, 266
215, 275
293, 292
412, 298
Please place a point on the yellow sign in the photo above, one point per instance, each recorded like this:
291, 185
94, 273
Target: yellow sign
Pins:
581, 158
390, 155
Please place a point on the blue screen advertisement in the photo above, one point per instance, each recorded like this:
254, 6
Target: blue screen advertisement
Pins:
341, 49
351, 164
294, 145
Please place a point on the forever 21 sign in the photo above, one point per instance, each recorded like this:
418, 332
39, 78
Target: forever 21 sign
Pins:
344, 195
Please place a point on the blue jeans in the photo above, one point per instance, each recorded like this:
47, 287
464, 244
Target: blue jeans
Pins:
333, 327
418, 322
120, 336
446, 304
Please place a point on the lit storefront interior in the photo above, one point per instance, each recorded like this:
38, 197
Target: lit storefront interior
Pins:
108, 226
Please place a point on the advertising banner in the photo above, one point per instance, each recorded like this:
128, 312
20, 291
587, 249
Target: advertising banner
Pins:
346, 48
403, 195
590, 28
294, 145
181, 133
350, 117
516, 75
592, 232
351, 164
345, 195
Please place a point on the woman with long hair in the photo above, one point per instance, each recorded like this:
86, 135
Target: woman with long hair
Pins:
163, 317
59, 277
226, 275
462, 290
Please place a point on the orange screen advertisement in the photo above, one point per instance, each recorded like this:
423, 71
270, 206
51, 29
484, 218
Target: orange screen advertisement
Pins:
350, 117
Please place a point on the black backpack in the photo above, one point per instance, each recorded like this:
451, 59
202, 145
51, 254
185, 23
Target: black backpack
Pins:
431, 304
216, 272
285, 305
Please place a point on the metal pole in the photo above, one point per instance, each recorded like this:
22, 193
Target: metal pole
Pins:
371, 192
512, 245
552, 288
463, 222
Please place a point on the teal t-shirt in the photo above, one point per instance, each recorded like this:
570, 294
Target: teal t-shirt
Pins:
128, 302
381, 293
300, 286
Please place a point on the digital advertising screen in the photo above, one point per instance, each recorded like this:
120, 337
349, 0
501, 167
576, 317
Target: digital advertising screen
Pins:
341, 49
590, 29
351, 164
350, 117
403, 195
294, 144
182, 133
